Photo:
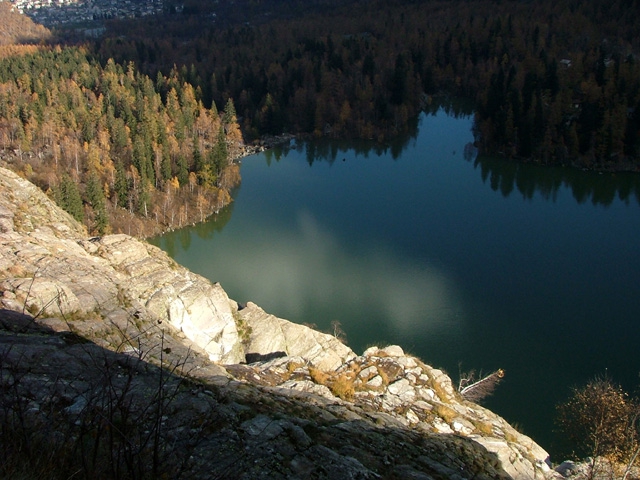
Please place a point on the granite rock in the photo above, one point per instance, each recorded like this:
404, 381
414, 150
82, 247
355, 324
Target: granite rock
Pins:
88, 324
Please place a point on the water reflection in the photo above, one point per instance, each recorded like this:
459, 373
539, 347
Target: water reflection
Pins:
330, 151
441, 256
506, 176
205, 230
307, 267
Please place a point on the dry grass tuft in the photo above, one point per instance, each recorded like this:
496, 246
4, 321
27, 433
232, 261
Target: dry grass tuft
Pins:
293, 366
318, 376
485, 428
343, 387
448, 414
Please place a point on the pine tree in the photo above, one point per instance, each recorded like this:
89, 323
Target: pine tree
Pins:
96, 200
219, 153
183, 170
198, 160
121, 185
229, 112
144, 198
166, 162
68, 197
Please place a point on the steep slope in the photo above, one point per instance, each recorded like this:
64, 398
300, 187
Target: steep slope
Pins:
16, 28
86, 322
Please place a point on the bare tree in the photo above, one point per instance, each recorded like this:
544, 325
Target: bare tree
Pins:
337, 331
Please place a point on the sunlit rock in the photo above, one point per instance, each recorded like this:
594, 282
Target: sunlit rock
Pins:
375, 382
393, 351
272, 334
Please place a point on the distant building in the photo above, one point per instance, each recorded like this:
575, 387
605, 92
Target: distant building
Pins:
56, 12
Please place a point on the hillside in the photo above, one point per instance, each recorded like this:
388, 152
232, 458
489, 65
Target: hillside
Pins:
121, 364
118, 151
18, 29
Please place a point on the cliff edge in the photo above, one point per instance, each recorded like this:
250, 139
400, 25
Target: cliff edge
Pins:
121, 363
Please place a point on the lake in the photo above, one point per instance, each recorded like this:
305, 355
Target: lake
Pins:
466, 262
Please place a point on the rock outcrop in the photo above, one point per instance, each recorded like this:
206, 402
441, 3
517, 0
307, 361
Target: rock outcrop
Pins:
265, 398
269, 335
405, 392
52, 269
74, 407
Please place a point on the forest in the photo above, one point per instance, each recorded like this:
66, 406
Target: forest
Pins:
124, 130
554, 82
118, 151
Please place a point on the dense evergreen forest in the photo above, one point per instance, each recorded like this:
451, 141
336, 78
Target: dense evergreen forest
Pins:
114, 148
553, 81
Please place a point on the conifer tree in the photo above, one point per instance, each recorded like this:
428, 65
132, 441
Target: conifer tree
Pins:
68, 197
121, 185
198, 159
96, 200
219, 153
229, 112
144, 198
183, 170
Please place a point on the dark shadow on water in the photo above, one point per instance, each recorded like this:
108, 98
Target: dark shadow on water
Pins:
600, 189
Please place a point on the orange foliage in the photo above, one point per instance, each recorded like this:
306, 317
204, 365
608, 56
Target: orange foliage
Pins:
18, 29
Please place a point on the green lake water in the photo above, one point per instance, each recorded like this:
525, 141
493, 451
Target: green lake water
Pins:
466, 262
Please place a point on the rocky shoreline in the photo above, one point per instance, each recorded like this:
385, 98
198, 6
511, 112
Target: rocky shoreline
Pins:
266, 398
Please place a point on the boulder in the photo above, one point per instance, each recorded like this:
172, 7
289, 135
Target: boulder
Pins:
272, 334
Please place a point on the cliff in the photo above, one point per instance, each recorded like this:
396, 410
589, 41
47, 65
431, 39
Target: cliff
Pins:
118, 362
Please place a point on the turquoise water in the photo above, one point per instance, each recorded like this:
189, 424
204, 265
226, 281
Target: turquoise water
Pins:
465, 262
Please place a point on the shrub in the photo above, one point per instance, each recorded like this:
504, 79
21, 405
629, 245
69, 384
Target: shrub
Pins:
600, 419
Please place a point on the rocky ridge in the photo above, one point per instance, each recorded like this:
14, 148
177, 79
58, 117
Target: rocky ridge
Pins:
263, 397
